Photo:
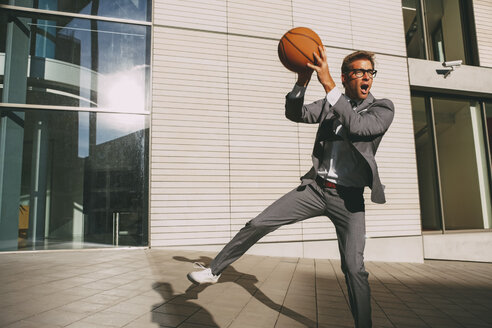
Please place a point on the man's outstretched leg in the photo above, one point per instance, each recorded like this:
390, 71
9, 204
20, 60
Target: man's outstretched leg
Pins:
299, 204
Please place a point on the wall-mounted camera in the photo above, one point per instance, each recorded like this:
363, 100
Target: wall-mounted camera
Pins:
454, 63
449, 67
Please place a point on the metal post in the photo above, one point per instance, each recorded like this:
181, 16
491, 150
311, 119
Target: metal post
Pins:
425, 29
117, 228
433, 130
114, 226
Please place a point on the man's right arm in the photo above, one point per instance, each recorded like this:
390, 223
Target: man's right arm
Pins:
296, 111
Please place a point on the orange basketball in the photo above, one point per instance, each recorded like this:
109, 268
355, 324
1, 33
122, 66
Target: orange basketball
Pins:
296, 48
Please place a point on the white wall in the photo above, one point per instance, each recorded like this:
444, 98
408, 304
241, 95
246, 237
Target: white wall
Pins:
483, 22
221, 148
473, 246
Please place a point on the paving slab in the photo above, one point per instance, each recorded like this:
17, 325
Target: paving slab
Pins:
140, 288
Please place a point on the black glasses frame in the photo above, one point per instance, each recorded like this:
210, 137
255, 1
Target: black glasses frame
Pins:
359, 72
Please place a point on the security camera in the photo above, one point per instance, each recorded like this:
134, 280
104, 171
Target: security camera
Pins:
450, 65
454, 63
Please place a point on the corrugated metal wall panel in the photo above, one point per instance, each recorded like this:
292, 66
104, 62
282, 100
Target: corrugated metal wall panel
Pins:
334, 28
261, 18
210, 15
396, 156
264, 154
222, 149
377, 25
483, 22
190, 139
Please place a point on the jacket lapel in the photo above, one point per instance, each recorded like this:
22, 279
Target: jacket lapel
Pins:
368, 101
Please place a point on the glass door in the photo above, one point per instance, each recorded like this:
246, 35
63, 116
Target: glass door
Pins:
452, 162
488, 142
462, 164
430, 209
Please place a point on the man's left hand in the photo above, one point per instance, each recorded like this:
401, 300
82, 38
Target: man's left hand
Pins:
322, 70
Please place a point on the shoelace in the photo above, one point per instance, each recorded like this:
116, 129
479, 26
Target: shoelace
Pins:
198, 265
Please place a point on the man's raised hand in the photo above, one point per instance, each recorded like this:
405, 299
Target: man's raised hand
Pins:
322, 70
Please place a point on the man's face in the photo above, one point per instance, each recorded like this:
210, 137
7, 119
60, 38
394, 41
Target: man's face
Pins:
357, 88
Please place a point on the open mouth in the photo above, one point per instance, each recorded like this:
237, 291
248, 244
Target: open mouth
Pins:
364, 88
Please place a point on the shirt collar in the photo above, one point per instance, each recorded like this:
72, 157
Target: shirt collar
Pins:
353, 102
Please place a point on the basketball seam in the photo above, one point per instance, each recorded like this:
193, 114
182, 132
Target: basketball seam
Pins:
284, 57
287, 38
307, 36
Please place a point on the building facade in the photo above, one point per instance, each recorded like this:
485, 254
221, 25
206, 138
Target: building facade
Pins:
161, 123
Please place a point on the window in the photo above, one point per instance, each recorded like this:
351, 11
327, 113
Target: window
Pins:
488, 116
74, 123
127, 9
438, 30
426, 165
65, 61
414, 32
73, 179
452, 162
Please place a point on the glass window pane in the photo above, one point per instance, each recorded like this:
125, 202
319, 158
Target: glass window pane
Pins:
444, 30
127, 9
75, 62
488, 141
426, 166
3, 42
488, 114
414, 32
462, 164
78, 179
12, 214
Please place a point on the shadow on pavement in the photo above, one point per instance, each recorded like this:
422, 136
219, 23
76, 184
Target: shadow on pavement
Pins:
247, 281
177, 307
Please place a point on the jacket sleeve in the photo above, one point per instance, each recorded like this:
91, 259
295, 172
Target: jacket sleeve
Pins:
372, 122
296, 111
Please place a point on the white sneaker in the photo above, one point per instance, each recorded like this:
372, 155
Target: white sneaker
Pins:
204, 276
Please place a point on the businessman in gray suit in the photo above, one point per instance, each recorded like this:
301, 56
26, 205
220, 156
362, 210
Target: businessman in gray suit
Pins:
351, 126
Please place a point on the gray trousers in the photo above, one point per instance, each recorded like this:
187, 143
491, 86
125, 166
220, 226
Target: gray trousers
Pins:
344, 206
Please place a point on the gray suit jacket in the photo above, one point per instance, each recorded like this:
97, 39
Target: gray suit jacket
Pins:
365, 128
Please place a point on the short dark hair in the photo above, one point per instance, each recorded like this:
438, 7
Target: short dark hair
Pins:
359, 54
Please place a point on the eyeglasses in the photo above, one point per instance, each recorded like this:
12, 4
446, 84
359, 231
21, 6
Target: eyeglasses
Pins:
358, 72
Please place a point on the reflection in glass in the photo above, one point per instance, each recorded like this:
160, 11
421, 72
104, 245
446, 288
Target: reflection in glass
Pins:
488, 115
438, 44
77, 179
442, 27
414, 32
488, 141
127, 9
74, 62
462, 164
445, 29
426, 165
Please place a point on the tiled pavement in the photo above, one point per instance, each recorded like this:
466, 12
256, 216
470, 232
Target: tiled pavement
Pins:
148, 288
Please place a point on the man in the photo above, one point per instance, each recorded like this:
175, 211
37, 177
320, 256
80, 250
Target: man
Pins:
351, 126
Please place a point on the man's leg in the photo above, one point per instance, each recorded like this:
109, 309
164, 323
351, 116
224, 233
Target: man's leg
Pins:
299, 204
346, 210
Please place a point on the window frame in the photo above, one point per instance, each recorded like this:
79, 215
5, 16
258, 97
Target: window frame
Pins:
33, 13
468, 30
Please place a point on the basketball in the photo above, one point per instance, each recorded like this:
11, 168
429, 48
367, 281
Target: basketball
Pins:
296, 48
